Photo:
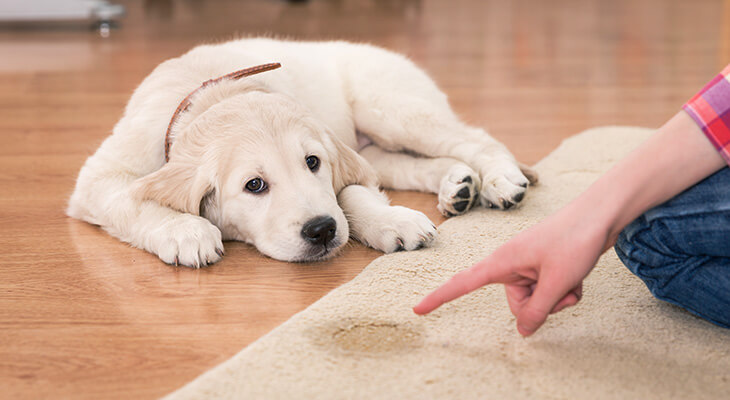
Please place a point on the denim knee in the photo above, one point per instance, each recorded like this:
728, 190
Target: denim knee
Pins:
698, 283
644, 251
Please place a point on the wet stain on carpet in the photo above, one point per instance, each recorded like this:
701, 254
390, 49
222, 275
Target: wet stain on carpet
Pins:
363, 337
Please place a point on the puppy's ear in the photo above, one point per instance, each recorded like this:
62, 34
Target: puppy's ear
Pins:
179, 186
529, 173
348, 167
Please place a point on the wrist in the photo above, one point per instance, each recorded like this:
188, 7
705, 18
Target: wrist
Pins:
597, 214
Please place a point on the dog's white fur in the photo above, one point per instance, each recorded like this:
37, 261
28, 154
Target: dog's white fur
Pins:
265, 126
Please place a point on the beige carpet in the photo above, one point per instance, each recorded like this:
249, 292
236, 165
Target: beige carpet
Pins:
363, 341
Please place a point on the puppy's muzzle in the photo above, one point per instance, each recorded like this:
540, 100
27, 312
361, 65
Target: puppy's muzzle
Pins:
320, 230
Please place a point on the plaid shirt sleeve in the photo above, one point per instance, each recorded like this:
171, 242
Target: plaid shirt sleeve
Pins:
710, 108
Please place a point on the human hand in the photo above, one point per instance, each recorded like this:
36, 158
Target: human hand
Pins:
542, 270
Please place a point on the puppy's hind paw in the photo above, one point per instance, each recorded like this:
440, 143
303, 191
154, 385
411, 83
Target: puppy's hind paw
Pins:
504, 187
187, 240
459, 190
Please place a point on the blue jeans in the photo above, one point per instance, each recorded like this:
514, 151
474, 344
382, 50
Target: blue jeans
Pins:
681, 249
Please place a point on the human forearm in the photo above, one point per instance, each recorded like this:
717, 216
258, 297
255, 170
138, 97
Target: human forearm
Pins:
676, 157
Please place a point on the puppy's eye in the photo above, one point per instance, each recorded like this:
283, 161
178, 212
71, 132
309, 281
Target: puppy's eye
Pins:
313, 163
256, 185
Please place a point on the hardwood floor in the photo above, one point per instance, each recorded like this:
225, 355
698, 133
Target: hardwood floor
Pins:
84, 316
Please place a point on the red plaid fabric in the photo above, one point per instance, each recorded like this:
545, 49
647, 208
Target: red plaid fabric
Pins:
710, 108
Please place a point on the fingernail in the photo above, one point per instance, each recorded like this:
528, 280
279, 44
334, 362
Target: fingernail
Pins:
524, 331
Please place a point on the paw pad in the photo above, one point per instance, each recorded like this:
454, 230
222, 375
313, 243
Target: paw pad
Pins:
459, 191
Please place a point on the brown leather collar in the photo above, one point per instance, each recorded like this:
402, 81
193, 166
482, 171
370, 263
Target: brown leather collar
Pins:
187, 101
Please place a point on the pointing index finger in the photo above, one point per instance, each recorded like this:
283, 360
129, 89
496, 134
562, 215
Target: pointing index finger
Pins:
460, 284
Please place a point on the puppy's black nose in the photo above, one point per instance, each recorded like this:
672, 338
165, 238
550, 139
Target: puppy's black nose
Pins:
319, 230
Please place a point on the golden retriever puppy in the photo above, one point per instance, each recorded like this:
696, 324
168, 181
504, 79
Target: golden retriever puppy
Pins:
289, 160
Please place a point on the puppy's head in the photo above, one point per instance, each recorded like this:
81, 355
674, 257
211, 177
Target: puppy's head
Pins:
264, 171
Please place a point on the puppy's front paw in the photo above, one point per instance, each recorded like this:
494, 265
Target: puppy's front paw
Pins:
399, 228
187, 240
503, 186
458, 191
